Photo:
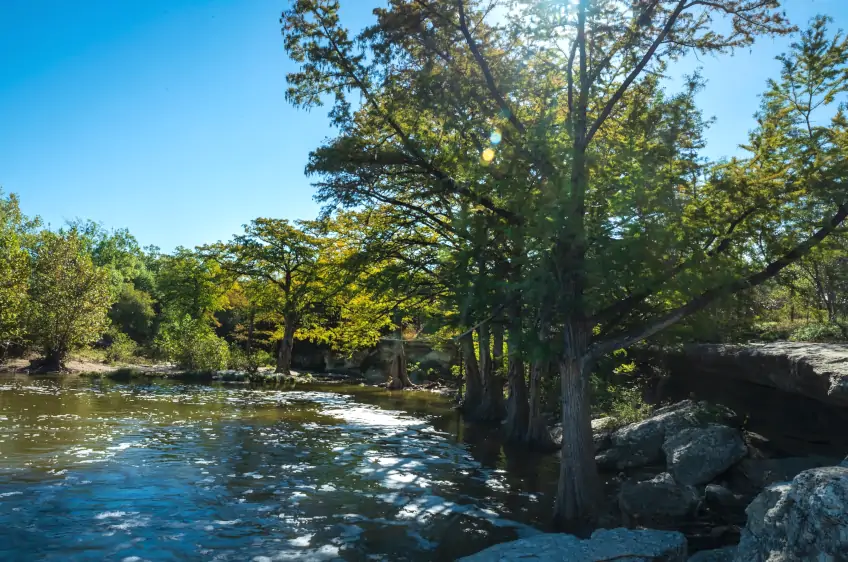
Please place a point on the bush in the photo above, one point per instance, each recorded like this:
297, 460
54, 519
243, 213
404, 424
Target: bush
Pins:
192, 345
621, 401
240, 361
122, 348
821, 333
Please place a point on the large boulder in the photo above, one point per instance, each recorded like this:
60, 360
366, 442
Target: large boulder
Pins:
726, 554
641, 443
696, 455
658, 499
615, 544
815, 370
806, 519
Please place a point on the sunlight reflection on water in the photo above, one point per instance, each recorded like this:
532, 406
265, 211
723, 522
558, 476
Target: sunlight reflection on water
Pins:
94, 470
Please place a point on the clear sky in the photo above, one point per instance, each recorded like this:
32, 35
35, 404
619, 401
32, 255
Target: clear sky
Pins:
168, 117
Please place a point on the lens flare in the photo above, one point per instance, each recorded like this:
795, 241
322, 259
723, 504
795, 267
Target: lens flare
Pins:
488, 155
495, 137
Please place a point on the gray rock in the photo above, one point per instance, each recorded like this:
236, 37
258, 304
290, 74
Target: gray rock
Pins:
658, 499
816, 370
602, 429
696, 455
615, 544
764, 472
719, 496
806, 519
641, 443
725, 554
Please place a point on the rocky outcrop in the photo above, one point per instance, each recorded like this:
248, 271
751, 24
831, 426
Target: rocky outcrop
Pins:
805, 519
604, 545
657, 500
696, 455
815, 370
641, 443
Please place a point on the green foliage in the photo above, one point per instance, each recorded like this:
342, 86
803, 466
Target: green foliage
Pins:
622, 401
192, 345
133, 313
122, 348
189, 284
14, 273
823, 333
69, 296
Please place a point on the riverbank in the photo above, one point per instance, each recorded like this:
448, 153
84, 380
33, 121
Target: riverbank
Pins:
265, 377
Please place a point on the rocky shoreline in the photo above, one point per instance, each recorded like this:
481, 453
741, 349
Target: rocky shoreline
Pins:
694, 462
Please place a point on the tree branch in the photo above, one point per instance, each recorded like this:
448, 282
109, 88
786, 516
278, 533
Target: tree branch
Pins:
706, 298
646, 58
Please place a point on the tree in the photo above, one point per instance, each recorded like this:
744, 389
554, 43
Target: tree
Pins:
14, 272
526, 123
285, 256
69, 298
189, 284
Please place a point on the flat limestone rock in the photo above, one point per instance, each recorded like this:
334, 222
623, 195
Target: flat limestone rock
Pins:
815, 370
614, 544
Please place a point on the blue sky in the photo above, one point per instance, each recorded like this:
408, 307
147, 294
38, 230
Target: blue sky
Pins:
168, 117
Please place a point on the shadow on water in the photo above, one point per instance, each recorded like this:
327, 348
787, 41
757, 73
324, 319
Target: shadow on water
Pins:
94, 469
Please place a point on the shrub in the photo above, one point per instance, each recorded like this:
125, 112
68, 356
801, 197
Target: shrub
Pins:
122, 348
239, 360
823, 333
621, 401
192, 345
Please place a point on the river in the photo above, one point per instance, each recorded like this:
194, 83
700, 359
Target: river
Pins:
92, 469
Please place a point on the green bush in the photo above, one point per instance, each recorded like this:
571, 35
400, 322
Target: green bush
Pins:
822, 333
192, 345
621, 401
122, 349
240, 361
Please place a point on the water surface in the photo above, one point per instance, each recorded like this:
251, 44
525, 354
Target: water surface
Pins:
96, 470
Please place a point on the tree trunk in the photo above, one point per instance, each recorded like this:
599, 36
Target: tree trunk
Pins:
517, 410
492, 407
284, 351
538, 435
579, 493
473, 384
497, 346
399, 377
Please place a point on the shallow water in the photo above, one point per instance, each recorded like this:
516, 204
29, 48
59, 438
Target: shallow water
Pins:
97, 470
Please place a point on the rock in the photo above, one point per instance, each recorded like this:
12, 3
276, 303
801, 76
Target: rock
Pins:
601, 431
608, 423
844, 463
615, 544
718, 496
806, 519
696, 455
815, 370
658, 499
725, 554
640, 444
762, 472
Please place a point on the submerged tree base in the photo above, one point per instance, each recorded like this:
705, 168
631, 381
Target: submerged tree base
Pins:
47, 365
